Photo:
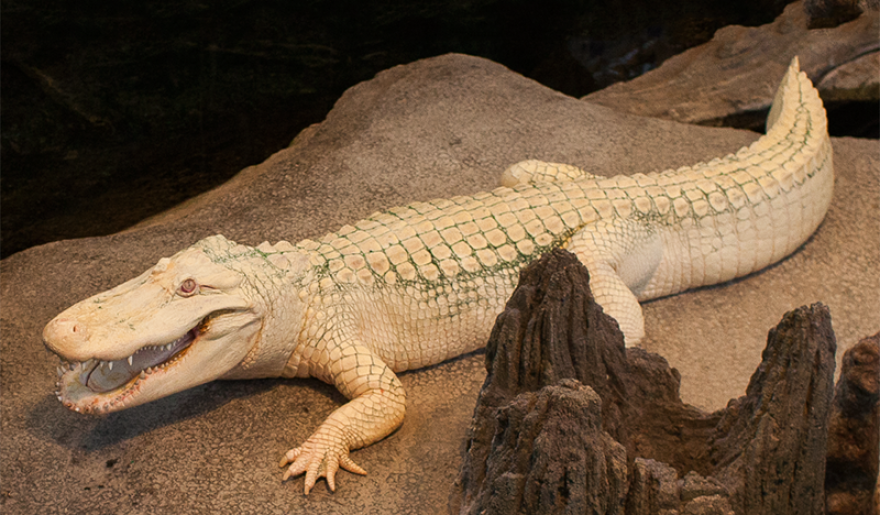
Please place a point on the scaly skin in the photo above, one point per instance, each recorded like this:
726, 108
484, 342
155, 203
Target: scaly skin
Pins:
416, 285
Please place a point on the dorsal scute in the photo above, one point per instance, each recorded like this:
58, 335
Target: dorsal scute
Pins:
781, 106
284, 246
533, 172
266, 248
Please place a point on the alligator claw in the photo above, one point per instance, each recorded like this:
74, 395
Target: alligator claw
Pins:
318, 458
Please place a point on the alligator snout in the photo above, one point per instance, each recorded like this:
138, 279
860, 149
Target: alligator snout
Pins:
66, 336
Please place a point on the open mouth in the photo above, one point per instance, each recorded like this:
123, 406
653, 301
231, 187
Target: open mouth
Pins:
105, 376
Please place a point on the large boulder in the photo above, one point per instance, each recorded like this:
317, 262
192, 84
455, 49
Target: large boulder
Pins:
435, 128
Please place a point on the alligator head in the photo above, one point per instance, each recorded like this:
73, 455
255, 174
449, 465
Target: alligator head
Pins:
188, 320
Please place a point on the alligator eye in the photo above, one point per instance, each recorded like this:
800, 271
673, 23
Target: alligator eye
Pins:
188, 287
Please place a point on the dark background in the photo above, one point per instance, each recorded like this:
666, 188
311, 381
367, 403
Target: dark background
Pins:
115, 111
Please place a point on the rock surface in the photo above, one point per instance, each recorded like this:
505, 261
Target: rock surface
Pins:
831, 13
731, 79
435, 128
853, 81
552, 346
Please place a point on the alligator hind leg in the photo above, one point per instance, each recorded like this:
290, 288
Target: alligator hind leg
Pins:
535, 172
622, 257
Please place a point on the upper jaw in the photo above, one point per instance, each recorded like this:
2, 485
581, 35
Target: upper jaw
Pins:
206, 351
119, 328
98, 386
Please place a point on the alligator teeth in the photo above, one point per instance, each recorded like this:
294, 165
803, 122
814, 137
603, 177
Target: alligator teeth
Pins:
130, 360
110, 365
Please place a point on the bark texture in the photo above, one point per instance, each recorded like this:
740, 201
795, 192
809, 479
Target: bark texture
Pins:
550, 332
569, 421
770, 445
854, 433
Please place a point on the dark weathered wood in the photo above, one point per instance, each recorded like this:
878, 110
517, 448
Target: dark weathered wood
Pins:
854, 433
656, 488
660, 426
559, 380
550, 455
551, 330
769, 447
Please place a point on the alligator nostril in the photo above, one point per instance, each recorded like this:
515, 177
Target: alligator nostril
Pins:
64, 334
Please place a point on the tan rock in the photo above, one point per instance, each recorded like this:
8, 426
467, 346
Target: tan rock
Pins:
730, 78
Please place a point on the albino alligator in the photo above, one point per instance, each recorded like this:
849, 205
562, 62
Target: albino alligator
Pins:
416, 285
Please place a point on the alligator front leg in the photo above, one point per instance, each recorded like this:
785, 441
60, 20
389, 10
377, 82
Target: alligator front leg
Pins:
377, 407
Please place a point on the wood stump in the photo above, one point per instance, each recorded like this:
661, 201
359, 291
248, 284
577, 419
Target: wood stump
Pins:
851, 486
570, 421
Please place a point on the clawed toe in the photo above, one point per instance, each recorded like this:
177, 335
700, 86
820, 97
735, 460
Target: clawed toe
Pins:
317, 464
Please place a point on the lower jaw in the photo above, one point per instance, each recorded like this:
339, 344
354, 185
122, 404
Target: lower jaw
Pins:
75, 399
79, 398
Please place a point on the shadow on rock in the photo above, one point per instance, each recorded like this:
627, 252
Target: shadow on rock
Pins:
53, 422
